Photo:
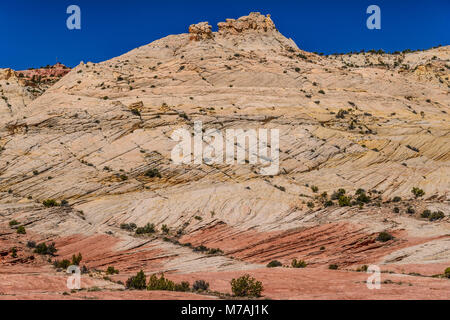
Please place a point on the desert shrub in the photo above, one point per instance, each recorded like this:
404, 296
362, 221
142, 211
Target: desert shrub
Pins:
137, 282
344, 201
410, 210
384, 236
396, 199
63, 264
321, 92
64, 203
426, 214
328, 203
31, 244
215, 251
50, 203
274, 264
160, 284
21, 230
13, 223
447, 272
165, 229
200, 285
361, 196
149, 228
111, 270
246, 286
14, 252
128, 226
341, 114
437, 215
198, 218
153, 173
76, 259
182, 287
417, 192
333, 267
136, 112
298, 264
362, 268
337, 194
396, 209
314, 189
310, 204
200, 248
43, 249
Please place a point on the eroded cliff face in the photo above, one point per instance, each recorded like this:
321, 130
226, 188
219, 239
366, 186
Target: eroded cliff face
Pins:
100, 139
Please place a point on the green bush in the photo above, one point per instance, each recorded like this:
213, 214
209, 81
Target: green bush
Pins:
337, 194
396, 199
165, 229
182, 287
149, 228
14, 252
21, 230
333, 267
128, 226
153, 173
417, 192
111, 270
246, 286
426, 214
434, 216
200, 285
76, 259
274, 264
137, 282
384, 236
410, 210
447, 272
215, 251
298, 264
43, 249
344, 201
63, 264
50, 203
314, 189
160, 284
328, 203
13, 223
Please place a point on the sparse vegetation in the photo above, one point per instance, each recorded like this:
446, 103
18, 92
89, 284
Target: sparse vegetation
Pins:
111, 270
153, 173
417, 192
49, 203
333, 267
43, 249
384, 236
437, 215
128, 226
298, 264
137, 282
21, 230
13, 223
246, 286
200, 285
147, 229
274, 264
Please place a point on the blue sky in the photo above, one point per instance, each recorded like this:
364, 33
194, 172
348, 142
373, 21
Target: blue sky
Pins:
33, 33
